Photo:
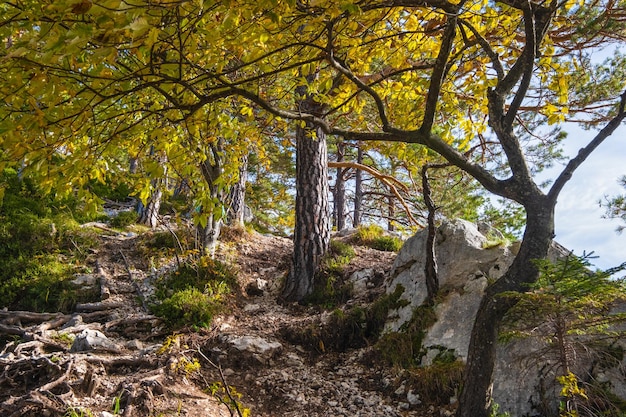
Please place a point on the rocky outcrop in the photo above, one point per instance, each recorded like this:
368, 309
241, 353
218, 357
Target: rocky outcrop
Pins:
468, 261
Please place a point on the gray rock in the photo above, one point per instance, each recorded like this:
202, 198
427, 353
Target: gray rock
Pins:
261, 349
89, 340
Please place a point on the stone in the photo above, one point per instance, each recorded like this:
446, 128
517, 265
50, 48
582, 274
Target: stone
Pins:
466, 266
90, 340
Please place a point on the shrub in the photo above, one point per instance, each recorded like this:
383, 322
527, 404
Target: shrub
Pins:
193, 293
187, 307
374, 236
124, 218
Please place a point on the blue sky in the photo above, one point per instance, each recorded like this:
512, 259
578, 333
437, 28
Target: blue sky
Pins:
579, 223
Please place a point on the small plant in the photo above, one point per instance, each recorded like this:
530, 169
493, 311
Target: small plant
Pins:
188, 307
404, 348
375, 237
438, 382
195, 292
78, 412
124, 219
330, 288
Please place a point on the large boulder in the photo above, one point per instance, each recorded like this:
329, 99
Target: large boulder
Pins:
467, 262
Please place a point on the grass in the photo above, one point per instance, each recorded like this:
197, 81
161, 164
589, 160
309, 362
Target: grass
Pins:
375, 237
195, 292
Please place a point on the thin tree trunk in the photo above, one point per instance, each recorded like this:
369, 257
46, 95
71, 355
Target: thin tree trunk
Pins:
430, 267
312, 228
339, 207
149, 214
211, 169
538, 235
237, 209
358, 190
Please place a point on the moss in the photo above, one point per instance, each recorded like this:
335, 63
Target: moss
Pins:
375, 237
404, 348
330, 288
351, 328
195, 292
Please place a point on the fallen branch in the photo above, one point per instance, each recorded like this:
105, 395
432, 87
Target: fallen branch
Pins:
99, 306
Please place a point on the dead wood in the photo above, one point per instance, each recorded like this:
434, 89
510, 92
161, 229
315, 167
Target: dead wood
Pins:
105, 291
135, 282
99, 306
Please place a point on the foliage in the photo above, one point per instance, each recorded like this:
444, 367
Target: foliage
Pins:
616, 206
124, 219
40, 247
330, 287
570, 308
375, 237
195, 292
78, 412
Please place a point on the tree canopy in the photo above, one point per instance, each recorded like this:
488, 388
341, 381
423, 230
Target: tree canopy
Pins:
485, 85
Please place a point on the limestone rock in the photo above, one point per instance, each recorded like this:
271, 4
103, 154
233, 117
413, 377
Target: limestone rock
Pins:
89, 340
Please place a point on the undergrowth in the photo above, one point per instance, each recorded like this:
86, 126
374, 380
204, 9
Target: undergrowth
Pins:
195, 292
41, 249
330, 288
375, 237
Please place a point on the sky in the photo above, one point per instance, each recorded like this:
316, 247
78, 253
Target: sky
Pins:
579, 223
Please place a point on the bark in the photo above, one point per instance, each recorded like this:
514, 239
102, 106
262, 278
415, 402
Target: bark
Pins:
339, 194
430, 267
474, 401
211, 169
312, 228
149, 214
358, 190
208, 235
237, 208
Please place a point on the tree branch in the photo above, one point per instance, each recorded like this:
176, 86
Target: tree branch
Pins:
584, 153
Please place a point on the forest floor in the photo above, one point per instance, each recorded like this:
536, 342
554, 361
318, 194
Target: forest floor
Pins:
253, 360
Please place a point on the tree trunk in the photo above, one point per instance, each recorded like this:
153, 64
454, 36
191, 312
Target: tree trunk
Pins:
473, 401
208, 235
358, 190
149, 214
312, 228
211, 169
237, 208
430, 266
339, 207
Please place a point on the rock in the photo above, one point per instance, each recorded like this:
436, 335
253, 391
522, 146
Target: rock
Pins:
260, 349
360, 281
89, 340
256, 287
466, 267
413, 398
460, 256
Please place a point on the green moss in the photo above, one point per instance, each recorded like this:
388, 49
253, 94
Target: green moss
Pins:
330, 288
193, 293
404, 348
124, 219
374, 236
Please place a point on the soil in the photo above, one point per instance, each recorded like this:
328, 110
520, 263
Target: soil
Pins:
258, 358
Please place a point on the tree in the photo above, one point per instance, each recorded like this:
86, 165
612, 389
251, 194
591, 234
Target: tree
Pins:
450, 76
616, 206
484, 71
571, 309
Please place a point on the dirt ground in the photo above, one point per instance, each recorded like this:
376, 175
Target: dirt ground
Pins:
246, 363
